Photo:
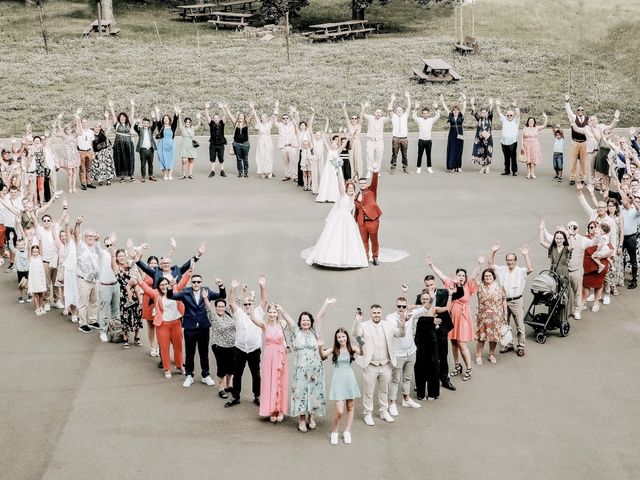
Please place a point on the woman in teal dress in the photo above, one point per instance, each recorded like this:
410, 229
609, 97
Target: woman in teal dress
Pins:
307, 394
344, 387
166, 142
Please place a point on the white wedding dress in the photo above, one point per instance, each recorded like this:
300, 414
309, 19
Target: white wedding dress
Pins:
328, 188
340, 244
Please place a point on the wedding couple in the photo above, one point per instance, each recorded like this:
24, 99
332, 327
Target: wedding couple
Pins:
352, 223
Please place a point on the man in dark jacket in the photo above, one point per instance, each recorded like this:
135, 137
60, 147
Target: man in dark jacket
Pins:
196, 325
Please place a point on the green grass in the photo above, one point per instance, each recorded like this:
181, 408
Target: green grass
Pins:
526, 48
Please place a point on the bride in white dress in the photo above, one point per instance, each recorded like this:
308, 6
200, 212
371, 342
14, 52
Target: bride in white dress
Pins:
340, 244
328, 189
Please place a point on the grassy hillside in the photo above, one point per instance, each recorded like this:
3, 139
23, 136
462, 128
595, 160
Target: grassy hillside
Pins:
530, 52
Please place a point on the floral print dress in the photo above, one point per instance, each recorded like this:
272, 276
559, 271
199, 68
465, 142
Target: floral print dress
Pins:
307, 393
131, 317
490, 312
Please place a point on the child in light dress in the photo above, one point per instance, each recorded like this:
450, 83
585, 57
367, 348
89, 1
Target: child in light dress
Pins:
306, 164
603, 250
37, 283
21, 264
344, 387
558, 153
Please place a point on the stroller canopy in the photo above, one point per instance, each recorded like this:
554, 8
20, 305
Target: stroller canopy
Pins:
545, 282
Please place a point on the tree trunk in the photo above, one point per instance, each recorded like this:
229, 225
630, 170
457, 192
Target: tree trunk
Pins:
107, 10
357, 13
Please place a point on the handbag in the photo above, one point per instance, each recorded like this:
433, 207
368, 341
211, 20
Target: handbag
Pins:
506, 335
115, 334
194, 143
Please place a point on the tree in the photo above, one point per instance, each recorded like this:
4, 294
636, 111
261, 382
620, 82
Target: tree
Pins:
274, 10
107, 10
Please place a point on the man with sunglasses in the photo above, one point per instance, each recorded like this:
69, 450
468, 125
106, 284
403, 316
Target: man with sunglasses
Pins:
47, 232
88, 271
509, 138
578, 141
404, 349
196, 325
287, 140
631, 212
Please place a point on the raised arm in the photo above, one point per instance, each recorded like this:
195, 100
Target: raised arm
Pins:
392, 101
541, 237
322, 311
78, 121
206, 112
225, 109
478, 267
264, 294
114, 119
498, 109
233, 296
583, 201
444, 105
492, 255
407, 95
524, 249
614, 122
463, 108
258, 323
567, 109
285, 316
132, 114
546, 122
436, 270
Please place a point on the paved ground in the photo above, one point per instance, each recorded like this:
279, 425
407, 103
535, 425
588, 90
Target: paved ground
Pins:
76, 408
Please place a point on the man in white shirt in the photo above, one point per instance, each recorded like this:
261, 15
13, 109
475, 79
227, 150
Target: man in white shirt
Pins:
11, 204
88, 271
399, 123
513, 279
108, 289
405, 351
287, 141
425, 125
378, 358
375, 139
509, 138
248, 339
47, 233
84, 138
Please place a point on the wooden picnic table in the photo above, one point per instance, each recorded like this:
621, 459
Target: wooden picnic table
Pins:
244, 6
104, 25
196, 10
238, 20
349, 28
436, 70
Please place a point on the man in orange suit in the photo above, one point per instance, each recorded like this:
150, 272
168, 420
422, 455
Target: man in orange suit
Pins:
368, 214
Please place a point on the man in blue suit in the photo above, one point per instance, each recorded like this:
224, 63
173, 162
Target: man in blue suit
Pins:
195, 324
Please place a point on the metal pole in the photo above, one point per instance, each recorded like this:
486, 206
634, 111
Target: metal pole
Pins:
473, 20
286, 32
99, 18
461, 20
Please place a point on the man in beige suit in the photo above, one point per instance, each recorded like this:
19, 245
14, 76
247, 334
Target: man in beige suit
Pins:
378, 359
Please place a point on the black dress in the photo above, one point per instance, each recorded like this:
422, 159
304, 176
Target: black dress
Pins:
455, 145
123, 152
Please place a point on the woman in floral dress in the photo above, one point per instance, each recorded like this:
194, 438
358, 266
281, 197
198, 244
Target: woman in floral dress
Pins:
102, 167
531, 145
130, 313
70, 161
307, 393
483, 142
492, 310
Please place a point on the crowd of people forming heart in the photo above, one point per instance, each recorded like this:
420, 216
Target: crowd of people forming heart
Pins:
117, 288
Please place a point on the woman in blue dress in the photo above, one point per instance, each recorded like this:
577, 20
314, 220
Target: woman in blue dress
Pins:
166, 135
455, 141
344, 387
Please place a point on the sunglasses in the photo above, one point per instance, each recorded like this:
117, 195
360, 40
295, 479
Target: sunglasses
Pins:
401, 306
354, 118
509, 115
46, 220
581, 109
247, 304
591, 227
196, 281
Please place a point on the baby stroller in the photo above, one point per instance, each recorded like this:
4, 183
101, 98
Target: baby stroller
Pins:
548, 310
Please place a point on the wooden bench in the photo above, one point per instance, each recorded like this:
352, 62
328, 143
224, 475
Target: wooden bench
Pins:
436, 70
198, 10
469, 46
243, 6
340, 30
236, 20
104, 27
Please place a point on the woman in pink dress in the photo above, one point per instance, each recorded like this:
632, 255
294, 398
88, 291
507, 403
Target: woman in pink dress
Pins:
274, 377
531, 145
460, 313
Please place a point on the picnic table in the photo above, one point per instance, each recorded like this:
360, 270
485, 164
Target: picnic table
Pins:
469, 45
197, 10
102, 27
239, 6
436, 70
237, 20
340, 30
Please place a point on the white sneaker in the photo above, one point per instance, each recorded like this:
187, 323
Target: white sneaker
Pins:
368, 419
418, 170
47, 307
59, 305
334, 438
103, 337
606, 300
596, 307
74, 318
577, 315
208, 380
384, 415
393, 409
591, 298
583, 307
429, 169
188, 381
410, 403
347, 437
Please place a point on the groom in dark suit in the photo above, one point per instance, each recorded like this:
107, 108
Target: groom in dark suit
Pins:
367, 214
196, 325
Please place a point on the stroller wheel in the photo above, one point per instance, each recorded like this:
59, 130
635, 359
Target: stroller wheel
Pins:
565, 328
541, 338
